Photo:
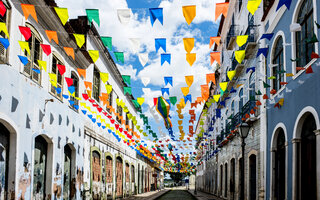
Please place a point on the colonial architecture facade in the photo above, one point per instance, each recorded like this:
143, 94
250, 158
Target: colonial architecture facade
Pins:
53, 144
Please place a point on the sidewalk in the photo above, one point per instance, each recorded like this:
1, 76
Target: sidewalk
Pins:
203, 196
148, 195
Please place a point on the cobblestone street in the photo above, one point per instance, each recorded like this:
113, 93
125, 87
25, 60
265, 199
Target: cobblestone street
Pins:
177, 195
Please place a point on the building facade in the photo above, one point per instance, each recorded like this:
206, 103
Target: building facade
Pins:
55, 141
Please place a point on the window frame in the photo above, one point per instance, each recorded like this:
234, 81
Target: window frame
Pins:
4, 59
60, 62
252, 82
76, 87
96, 84
276, 57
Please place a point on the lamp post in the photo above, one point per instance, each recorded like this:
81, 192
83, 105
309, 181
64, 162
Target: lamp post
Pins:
243, 131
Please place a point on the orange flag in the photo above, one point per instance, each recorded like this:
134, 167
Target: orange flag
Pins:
191, 58
69, 51
214, 40
28, 10
88, 85
82, 72
221, 8
52, 35
211, 77
215, 56
205, 92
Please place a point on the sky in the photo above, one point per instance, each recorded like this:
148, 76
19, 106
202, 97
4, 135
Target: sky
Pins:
174, 29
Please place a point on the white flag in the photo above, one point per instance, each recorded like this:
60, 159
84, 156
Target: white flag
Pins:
124, 15
143, 58
145, 80
135, 43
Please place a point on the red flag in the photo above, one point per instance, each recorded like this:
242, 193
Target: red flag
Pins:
309, 70
2, 9
69, 81
62, 69
314, 55
155, 100
46, 49
25, 31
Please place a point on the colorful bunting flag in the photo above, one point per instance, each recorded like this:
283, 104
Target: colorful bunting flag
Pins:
52, 35
223, 86
263, 51
165, 90
221, 8
191, 58
160, 43
231, 74
62, 69
216, 97
25, 31
119, 57
215, 56
104, 77
241, 40
267, 36
69, 81
253, 5
165, 57
126, 79
188, 44
93, 15
42, 65
211, 77
24, 60
143, 58
24, 46
287, 3
215, 40
185, 90
239, 55
189, 13
94, 54
28, 10
5, 42
156, 13
173, 100
107, 41
3, 9
189, 80
69, 51
168, 80
127, 90
82, 72
80, 39
140, 100
62, 14
124, 16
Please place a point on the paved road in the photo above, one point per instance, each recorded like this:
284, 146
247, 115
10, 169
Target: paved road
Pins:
177, 195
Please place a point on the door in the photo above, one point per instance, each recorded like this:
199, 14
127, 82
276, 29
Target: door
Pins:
4, 161
67, 173
253, 177
119, 177
280, 167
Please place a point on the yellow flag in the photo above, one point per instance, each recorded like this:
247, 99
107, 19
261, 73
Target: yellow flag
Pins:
188, 44
42, 64
189, 80
281, 101
189, 13
140, 100
185, 91
253, 5
94, 54
79, 39
191, 58
24, 46
104, 77
223, 85
216, 97
53, 79
239, 55
3, 28
109, 88
62, 14
231, 74
241, 40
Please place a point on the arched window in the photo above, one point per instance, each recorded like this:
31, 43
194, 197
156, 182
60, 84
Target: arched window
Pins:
68, 172
109, 175
96, 84
304, 43
32, 69
119, 177
252, 86
57, 88
96, 174
4, 160
226, 180
277, 61
76, 90
241, 99
127, 173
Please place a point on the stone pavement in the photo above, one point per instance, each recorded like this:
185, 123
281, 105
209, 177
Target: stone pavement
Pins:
148, 195
203, 196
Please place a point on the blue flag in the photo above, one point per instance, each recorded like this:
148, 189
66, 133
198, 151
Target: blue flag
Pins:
161, 42
23, 59
164, 90
156, 13
168, 79
267, 36
165, 57
5, 42
287, 3
263, 51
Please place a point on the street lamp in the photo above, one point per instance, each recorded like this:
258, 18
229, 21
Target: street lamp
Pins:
243, 131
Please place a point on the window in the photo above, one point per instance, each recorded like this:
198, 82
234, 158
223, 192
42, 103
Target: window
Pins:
241, 99
76, 89
4, 160
119, 111
127, 173
132, 126
32, 69
132, 174
109, 169
67, 175
240, 4
6, 20
226, 180
252, 87
304, 47
110, 100
277, 61
57, 91
267, 4
96, 173
127, 120
96, 84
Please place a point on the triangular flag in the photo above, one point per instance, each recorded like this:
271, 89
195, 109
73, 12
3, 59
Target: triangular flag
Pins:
145, 80
28, 10
231, 74
188, 44
127, 90
62, 14
69, 51
211, 77
5, 42
216, 97
62, 69
140, 100
253, 5
104, 77
314, 55
185, 90
189, 80
108, 88
23, 59
223, 86
42, 65
215, 40
94, 54
53, 79
168, 80
221, 8
160, 42
165, 57
287, 3
309, 70
173, 100
119, 57
93, 15
82, 72
135, 43
189, 13
46, 49
165, 90
80, 39
239, 55
267, 36
126, 79
191, 58
69, 81
88, 85
52, 35
25, 31
241, 40
143, 58
3, 28
107, 41
263, 51
24, 46
156, 13
215, 56
124, 15
265, 85
3, 9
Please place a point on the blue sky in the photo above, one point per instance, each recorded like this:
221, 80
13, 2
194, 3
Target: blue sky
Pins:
174, 29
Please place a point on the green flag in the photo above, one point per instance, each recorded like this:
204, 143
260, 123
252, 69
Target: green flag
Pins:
265, 85
126, 79
127, 90
107, 41
93, 14
173, 100
119, 56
